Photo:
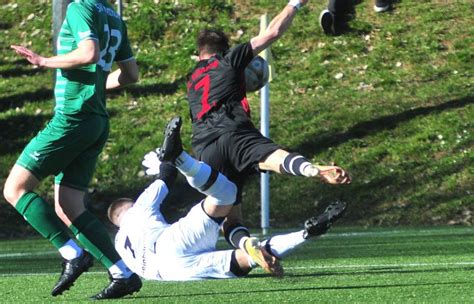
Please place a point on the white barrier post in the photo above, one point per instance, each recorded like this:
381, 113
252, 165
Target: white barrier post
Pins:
119, 7
59, 12
265, 130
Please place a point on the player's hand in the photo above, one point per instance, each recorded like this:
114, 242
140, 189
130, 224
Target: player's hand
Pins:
151, 163
303, 2
333, 175
31, 56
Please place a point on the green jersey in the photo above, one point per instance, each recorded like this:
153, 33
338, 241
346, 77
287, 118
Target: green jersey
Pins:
82, 90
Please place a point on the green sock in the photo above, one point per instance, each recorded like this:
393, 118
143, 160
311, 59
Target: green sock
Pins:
41, 216
93, 236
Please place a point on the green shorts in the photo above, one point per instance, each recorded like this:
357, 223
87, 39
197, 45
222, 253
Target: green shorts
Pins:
67, 148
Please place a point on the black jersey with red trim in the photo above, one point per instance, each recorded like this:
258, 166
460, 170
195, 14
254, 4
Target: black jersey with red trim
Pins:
216, 95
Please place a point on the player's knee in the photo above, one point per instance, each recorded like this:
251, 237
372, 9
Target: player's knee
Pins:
19, 182
11, 192
230, 193
223, 192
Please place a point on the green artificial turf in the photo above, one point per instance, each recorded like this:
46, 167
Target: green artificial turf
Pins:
348, 265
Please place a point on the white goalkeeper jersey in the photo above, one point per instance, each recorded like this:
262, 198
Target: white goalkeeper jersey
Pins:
156, 250
140, 228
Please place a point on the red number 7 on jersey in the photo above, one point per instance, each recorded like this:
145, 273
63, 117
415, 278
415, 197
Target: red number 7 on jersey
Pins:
205, 84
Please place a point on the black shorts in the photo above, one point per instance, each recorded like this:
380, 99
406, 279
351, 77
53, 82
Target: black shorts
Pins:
237, 154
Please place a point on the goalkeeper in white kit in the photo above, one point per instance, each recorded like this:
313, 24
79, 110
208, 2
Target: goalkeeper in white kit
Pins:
186, 249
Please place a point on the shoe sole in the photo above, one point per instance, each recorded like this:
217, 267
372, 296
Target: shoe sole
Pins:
332, 213
336, 211
136, 290
117, 297
173, 125
268, 262
131, 292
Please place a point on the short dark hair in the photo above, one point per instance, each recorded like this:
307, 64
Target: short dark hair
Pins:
212, 41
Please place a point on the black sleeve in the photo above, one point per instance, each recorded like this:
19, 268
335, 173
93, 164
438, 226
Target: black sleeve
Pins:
240, 56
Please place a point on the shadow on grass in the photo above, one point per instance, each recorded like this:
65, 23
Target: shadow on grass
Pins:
372, 190
153, 89
367, 128
5, 25
16, 72
15, 61
378, 271
406, 183
17, 130
18, 100
296, 289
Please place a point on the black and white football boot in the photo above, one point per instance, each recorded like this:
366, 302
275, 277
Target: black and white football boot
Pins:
336, 24
72, 269
326, 21
119, 288
172, 145
319, 225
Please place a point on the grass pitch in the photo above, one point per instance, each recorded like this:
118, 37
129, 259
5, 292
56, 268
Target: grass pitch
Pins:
426, 265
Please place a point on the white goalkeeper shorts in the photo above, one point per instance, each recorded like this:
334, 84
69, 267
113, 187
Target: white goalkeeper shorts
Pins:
186, 250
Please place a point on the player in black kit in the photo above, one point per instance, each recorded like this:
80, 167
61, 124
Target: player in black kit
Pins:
223, 134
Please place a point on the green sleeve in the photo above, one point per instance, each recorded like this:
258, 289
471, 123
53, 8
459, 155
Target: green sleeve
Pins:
81, 22
125, 51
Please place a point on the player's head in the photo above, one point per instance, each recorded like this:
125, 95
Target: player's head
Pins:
117, 208
211, 41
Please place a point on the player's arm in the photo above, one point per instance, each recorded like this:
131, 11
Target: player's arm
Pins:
153, 196
127, 73
277, 26
87, 52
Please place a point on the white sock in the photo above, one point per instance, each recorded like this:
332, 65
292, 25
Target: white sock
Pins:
242, 242
252, 263
120, 271
70, 250
186, 164
309, 170
197, 173
282, 244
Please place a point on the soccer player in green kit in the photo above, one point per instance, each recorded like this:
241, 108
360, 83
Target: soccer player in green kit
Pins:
92, 37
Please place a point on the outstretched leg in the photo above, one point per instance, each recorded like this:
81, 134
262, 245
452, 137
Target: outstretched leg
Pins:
284, 162
280, 245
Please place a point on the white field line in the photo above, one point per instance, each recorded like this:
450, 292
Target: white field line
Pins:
357, 266
396, 265
27, 254
407, 233
330, 235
